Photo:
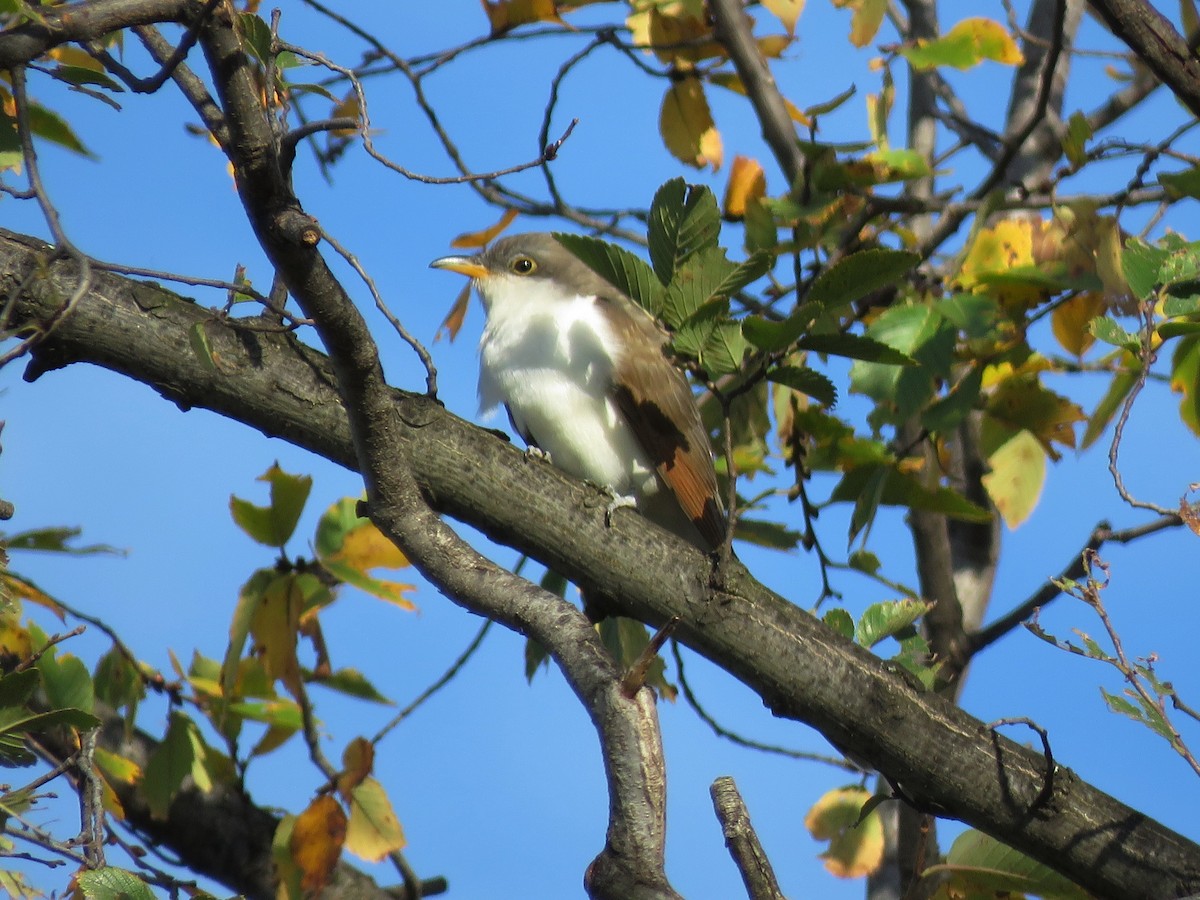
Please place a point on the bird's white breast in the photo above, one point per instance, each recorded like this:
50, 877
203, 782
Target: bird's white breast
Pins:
550, 360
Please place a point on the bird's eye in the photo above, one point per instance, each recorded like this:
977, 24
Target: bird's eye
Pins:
523, 265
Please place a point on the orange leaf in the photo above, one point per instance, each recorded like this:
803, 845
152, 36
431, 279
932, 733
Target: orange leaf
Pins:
687, 126
317, 839
472, 240
453, 323
504, 15
357, 760
746, 183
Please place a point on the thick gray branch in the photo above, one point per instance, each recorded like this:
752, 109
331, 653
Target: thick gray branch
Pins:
944, 759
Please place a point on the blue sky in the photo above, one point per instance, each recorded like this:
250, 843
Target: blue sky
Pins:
498, 783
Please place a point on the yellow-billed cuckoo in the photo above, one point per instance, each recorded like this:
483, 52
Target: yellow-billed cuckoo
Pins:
584, 373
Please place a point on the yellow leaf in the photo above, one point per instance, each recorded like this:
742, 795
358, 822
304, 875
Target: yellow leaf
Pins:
1023, 402
855, 848
14, 587
868, 16
1070, 320
316, 841
349, 108
365, 548
680, 37
357, 761
275, 626
374, 831
1006, 245
472, 240
1018, 471
747, 182
787, 11
771, 46
687, 126
73, 56
118, 768
990, 39
504, 15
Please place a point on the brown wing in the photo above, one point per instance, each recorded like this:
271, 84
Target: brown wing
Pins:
657, 402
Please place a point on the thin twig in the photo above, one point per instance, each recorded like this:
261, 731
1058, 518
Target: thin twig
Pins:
446, 678
417, 347
1102, 534
736, 738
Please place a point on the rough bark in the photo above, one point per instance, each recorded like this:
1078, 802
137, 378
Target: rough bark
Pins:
945, 760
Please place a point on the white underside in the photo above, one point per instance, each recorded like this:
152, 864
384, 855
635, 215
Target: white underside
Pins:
551, 361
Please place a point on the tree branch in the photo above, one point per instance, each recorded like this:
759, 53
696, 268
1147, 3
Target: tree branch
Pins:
632, 862
1156, 42
945, 759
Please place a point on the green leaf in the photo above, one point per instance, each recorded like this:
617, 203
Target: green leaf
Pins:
1168, 330
867, 500
273, 525
79, 75
684, 219
1185, 379
625, 271
56, 129
1140, 263
117, 682
806, 381
979, 865
884, 620
281, 713
57, 540
68, 682
904, 489
111, 883
692, 335
17, 687
855, 276
199, 341
841, 622
536, 658
1079, 132
353, 683
852, 346
975, 315
1185, 183
771, 336
918, 331
698, 282
947, 413
773, 535
1181, 304
256, 35
172, 761
724, 351
1107, 330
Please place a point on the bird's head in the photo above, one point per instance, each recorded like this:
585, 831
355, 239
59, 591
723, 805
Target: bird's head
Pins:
524, 263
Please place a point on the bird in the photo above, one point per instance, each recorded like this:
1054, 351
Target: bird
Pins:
586, 377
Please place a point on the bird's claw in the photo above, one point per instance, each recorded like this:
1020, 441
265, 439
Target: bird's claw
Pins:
534, 452
617, 501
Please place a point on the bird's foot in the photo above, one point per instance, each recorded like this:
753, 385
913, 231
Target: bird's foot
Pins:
533, 452
617, 501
